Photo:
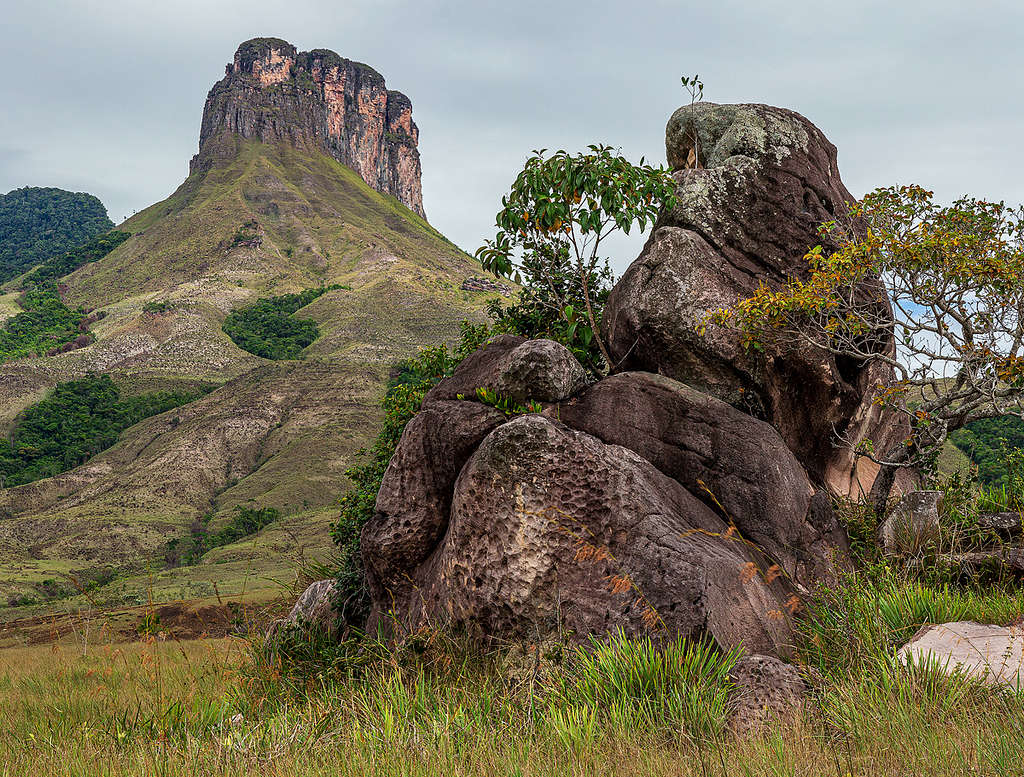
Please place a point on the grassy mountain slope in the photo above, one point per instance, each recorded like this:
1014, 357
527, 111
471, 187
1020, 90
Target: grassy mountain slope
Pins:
268, 220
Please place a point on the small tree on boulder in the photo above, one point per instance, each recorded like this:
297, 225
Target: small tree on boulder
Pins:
550, 229
947, 280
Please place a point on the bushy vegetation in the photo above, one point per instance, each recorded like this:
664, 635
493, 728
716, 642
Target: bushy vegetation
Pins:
986, 442
269, 327
76, 421
66, 263
47, 326
39, 223
245, 522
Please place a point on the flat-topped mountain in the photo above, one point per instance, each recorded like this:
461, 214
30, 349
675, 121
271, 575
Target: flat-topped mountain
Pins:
315, 100
307, 178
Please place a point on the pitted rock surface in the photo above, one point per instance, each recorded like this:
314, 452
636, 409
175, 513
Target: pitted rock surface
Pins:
765, 179
552, 529
415, 495
767, 690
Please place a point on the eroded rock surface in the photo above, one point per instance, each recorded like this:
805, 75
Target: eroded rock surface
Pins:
316, 99
765, 179
767, 690
552, 530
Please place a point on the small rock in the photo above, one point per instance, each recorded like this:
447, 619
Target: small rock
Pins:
313, 611
913, 524
767, 689
1004, 523
516, 368
993, 654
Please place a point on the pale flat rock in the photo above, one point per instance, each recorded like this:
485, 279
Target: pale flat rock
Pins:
994, 654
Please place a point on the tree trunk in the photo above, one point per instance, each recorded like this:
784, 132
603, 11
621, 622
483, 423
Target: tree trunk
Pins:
896, 459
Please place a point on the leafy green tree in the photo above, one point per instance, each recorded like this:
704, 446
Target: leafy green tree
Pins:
947, 281
551, 227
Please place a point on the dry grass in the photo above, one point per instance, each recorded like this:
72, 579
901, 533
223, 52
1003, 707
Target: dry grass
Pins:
204, 707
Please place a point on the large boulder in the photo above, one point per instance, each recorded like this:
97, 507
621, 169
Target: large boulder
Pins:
552, 530
737, 465
415, 495
765, 179
516, 368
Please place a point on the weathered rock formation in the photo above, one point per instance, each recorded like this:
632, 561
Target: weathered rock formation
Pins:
688, 492
614, 508
766, 690
316, 100
765, 179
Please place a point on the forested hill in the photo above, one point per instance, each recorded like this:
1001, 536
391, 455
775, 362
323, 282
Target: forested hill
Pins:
38, 223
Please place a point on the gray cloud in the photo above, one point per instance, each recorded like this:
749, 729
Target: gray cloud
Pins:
106, 96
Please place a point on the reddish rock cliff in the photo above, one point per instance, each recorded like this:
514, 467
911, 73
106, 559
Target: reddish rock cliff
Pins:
316, 99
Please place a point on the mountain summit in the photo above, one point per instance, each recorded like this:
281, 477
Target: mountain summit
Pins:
307, 183
315, 100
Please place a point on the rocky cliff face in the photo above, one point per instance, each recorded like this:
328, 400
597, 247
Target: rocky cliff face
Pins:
316, 100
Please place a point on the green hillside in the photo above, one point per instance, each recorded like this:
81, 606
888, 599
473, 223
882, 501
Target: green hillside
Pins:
265, 221
37, 223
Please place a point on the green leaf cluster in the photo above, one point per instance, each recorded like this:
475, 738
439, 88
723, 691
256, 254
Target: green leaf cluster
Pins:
76, 421
39, 223
269, 328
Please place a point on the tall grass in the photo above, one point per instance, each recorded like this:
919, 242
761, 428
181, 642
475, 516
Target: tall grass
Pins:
867, 617
163, 709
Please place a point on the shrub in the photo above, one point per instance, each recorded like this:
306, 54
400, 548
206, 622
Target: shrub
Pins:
246, 522
269, 327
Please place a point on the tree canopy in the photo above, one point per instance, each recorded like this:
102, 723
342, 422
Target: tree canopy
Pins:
933, 292
38, 223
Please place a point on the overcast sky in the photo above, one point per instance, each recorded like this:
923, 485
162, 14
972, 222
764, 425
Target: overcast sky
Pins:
106, 96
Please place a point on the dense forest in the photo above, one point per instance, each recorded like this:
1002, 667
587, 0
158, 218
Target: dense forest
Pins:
47, 325
38, 223
986, 443
76, 421
269, 328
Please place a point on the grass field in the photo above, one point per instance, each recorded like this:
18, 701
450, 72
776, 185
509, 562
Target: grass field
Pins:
201, 707
92, 704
